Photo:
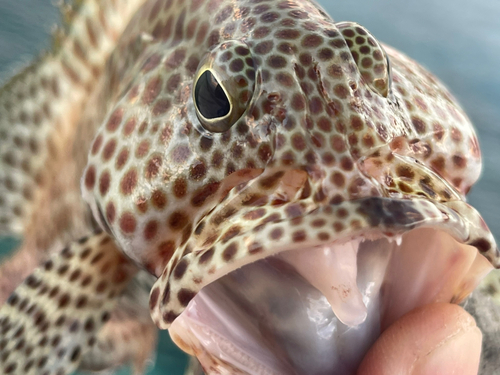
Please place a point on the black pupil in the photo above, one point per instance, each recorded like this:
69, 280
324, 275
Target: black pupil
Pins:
210, 98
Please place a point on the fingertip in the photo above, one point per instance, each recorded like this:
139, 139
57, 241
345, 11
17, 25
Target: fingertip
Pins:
434, 339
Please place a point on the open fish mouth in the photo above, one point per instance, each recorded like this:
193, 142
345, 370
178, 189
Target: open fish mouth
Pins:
317, 307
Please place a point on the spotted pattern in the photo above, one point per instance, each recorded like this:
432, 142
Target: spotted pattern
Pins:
40, 109
331, 135
369, 56
334, 118
233, 66
128, 336
45, 325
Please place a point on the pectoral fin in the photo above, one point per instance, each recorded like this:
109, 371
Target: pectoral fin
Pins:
54, 316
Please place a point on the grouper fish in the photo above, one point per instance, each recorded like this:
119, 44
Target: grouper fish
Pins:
275, 188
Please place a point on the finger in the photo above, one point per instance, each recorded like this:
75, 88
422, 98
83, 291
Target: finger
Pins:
434, 339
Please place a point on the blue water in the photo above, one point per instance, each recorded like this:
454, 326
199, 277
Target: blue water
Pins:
458, 40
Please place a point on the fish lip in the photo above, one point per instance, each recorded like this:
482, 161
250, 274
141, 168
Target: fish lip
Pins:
183, 277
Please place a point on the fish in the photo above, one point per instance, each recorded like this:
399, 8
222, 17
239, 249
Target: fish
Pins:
269, 185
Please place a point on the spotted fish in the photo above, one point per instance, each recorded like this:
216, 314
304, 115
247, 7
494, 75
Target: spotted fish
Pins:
238, 160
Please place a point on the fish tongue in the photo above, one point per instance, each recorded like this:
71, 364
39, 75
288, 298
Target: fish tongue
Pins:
332, 269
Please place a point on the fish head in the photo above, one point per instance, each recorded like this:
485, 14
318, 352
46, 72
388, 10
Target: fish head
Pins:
255, 149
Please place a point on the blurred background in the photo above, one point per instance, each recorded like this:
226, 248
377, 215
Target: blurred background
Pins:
458, 40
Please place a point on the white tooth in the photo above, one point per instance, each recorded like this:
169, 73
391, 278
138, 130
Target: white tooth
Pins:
399, 240
332, 269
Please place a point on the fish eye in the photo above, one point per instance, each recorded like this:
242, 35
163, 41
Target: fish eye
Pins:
212, 103
223, 86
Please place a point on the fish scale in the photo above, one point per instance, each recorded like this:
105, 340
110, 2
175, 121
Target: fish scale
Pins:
330, 135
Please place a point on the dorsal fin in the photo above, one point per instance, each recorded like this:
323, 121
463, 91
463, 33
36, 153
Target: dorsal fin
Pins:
369, 56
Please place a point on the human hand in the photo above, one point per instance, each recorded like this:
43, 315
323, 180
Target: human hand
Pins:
437, 338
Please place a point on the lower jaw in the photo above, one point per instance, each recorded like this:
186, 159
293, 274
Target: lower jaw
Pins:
318, 311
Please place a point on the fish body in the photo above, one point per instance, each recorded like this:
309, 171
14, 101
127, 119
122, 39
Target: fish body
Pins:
212, 135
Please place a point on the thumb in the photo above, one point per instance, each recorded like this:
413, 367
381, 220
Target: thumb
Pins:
434, 339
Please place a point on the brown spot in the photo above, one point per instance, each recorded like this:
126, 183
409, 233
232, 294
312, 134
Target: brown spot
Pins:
459, 161
276, 62
206, 256
191, 65
64, 300
338, 179
202, 194
405, 171
341, 91
122, 158
185, 296
206, 143
129, 182
127, 223
229, 252
255, 247
104, 182
151, 62
346, 164
338, 144
264, 152
173, 82
153, 167
438, 131
270, 181
230, 233
152, 90
114, 120
438, 164
299, 236
142, 149
312, 40
180, 269
178, 220
181, 154
276, 234
298, 141
482, 244
75, 354
159, 199
153, 298
419, 125
166, 249
150, 230
261, 32
179, 187
90, 177
263, 48
368, 140
97, 144
161, 106
284, 79
287, 34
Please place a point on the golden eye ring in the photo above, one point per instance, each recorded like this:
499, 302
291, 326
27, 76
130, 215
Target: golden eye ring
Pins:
223, 86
